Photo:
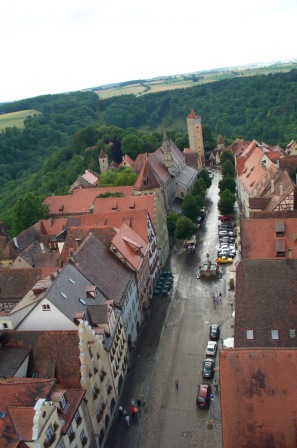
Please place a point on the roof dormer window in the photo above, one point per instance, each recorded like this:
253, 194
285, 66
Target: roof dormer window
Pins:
63, 402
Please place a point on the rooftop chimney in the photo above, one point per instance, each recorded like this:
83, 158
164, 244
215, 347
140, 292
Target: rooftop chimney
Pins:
77, 242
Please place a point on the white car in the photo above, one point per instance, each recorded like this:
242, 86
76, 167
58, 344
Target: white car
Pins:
211, 349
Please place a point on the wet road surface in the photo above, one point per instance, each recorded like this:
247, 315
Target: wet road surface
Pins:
172, 346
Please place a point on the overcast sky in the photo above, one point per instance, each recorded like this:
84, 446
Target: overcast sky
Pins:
64, 45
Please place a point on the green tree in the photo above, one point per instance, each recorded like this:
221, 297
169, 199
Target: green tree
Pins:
189, 207
203, 174
226, 203
125, 176
185, 228
172, 219
227, 155
199, 188
107, 179
228, 182
27, 211
132, 145
228, 168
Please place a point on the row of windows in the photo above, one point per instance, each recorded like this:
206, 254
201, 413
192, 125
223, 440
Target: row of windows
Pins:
274, 334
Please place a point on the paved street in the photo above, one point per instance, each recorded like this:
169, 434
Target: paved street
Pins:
171, 346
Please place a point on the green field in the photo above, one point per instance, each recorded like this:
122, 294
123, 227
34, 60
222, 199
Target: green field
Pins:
179, 82
15, 119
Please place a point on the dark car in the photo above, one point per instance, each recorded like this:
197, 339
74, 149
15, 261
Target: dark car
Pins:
203, 396
208, 368
214, 332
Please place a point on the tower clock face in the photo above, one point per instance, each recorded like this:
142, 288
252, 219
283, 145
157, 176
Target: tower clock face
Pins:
197, 121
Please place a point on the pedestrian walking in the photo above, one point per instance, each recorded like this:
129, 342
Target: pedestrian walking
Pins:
127, 421
142, 399
138, 401
120, 412
135, 414
216, 385
176, 384
220, 297
132, 403
124, 414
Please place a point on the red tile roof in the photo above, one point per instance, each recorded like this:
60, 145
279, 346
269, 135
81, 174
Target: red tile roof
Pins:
18, 397
15, 283
193, 114
288, 163
79, 234
130, 245
266, 300
253, 172
54, 226
128, 203
258, 399
258, 237
80, 201
47, 361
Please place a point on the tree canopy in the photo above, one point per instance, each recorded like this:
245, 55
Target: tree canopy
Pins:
190, 208
124, 176
228, 182
27, 211
226, 203
185, 228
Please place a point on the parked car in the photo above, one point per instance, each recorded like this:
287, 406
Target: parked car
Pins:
208, 368
225, 226
223, 252
229, 246
211, 349
232, 253
214, 331
224, 260
228, 239
223, 233
199, 220
226, 217
203, 396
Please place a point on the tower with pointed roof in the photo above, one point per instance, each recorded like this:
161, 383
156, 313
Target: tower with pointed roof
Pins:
194, 126
103, 161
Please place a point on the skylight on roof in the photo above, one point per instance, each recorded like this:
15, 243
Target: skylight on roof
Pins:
63, 295
81, 300
72, 281
2, 415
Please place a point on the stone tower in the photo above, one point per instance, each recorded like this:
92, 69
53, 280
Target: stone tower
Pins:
195, 133
103, 161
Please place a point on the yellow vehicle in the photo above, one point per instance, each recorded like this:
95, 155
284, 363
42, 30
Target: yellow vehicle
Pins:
224, 260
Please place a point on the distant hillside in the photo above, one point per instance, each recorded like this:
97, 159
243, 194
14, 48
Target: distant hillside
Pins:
49, 152
261, 107
165, 83
15, 119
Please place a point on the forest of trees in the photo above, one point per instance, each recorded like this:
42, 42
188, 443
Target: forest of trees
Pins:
47, 155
